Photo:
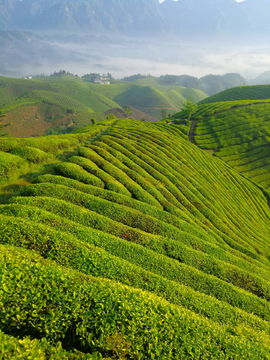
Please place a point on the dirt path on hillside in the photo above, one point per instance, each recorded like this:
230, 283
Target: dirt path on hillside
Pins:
191, 134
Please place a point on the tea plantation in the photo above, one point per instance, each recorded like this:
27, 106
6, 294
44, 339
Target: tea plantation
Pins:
49, 105
127, 241
238, 133
247, 92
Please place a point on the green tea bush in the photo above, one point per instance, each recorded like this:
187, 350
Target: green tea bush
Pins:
255, 92
171, 269
98, 262
240, 136
58, 99
32, 155
76, 172
181, 221
32, 349
202, 206
171, 248
173, 263
137, 191
109, 181
196, 259
101, 308
9, 164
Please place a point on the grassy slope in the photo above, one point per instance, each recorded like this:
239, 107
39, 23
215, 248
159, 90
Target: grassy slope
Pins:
238, 131
182, 238
256, 92
69, 94
182, 92
21, 97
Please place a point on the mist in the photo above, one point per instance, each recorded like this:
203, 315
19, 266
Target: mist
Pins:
125, 38
123, 57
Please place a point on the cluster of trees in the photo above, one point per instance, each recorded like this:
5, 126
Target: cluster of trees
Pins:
135, 77
91, 76
55, 74
60, 73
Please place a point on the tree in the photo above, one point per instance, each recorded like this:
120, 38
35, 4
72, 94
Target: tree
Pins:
128, 111
163, 113
2, 126
189, 107
111, 117
93, 121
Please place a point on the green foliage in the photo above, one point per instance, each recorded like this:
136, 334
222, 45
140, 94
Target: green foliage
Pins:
76, 172
214, 108
255, 92
58, 99
111, 117
163, 113
93, 121
96, 307
38, 150
27, 348
98, 262
134, 248
9, 164
128, 111
189, 107
72, 95
30, 154
240, 136
109, 181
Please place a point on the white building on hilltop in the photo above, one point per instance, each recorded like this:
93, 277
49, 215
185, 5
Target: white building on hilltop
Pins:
102, 80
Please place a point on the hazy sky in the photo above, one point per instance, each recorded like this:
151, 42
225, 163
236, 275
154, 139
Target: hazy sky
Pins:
177, 0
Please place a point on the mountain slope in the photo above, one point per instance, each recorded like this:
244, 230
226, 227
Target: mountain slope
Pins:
60, 103
137, 230
138, 18
240, 137
235, 131
253, 92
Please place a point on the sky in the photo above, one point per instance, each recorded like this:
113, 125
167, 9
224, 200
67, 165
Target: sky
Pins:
177, 0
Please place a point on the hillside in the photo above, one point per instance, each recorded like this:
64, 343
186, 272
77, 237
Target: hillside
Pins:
58, 104
241, 138
235, 131
131, 243
209, 84
252, 92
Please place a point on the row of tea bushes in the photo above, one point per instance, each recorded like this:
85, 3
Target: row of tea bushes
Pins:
142, 247
103, 314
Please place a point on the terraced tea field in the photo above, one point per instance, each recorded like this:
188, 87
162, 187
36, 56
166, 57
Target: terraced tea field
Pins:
239, 135
137, 245
255, 92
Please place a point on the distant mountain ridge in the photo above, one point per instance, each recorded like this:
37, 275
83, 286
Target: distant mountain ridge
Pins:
137, 17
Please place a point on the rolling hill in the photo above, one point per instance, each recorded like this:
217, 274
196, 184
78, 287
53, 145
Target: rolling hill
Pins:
236, 131
56, 104
247, 92
131, 243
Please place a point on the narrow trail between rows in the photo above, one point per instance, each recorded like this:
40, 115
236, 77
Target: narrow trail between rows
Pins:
191, 134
